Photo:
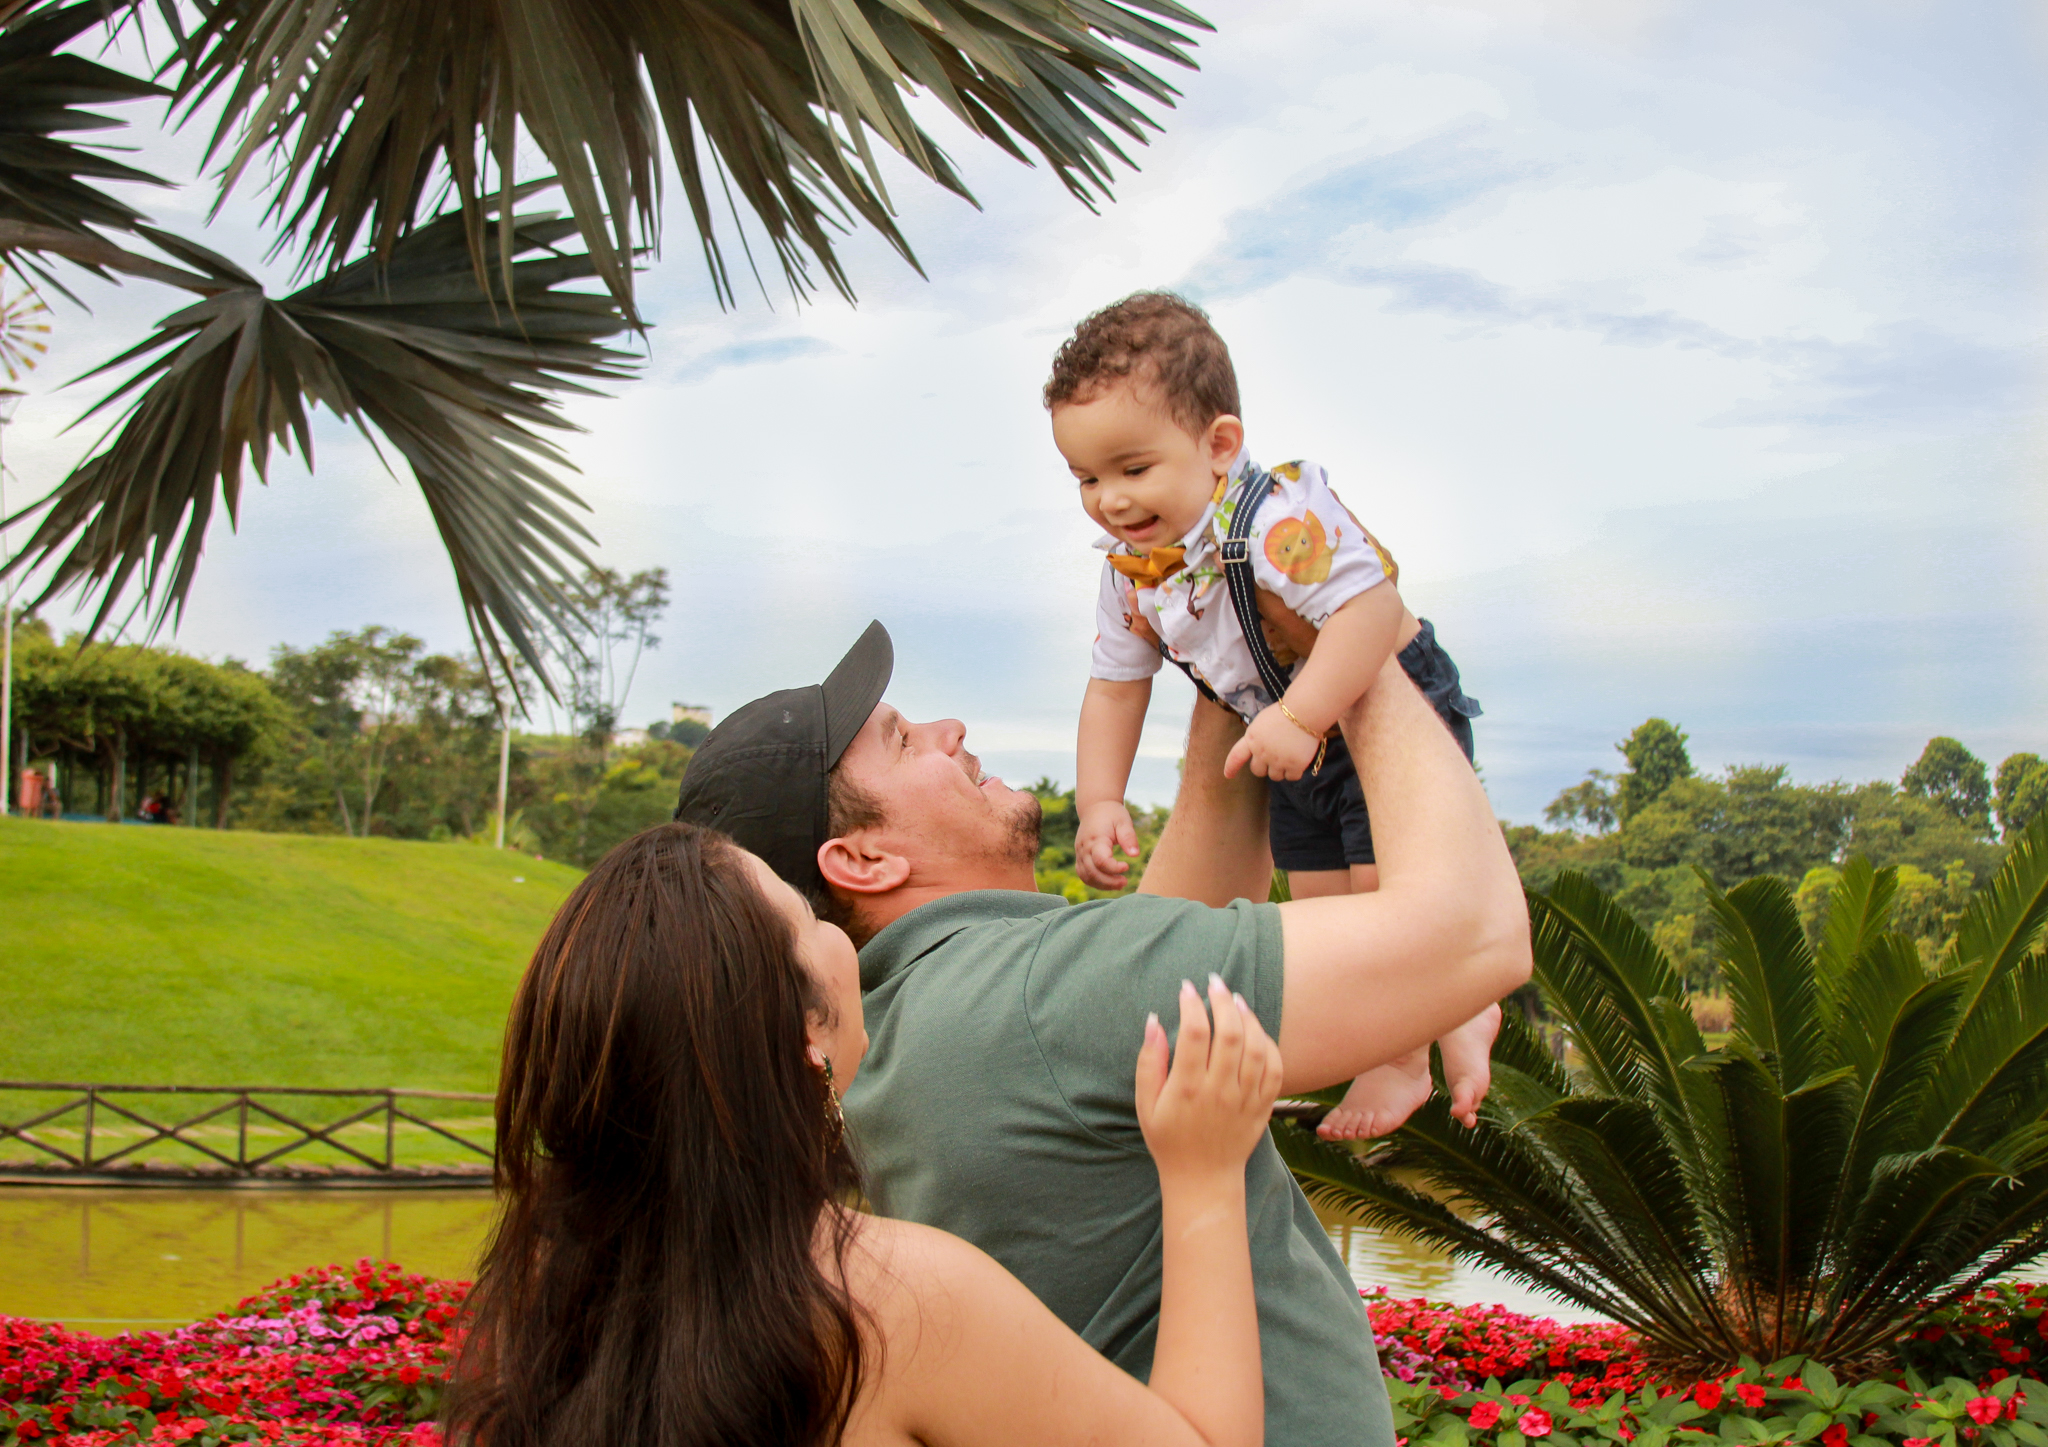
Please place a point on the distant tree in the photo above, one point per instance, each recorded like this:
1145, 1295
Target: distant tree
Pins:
1953, 778
2021, 792
356, 693
1656, 760
1588, 803
688, 732
601, 653
135, 717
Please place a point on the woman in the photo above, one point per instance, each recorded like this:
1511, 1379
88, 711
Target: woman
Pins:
676, 1263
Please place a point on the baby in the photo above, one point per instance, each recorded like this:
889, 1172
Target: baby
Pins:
1144, 409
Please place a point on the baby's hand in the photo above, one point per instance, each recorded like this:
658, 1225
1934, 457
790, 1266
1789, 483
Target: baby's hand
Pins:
1104, 828
1275, 746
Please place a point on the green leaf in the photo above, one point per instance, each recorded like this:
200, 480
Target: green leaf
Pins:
356, 112
454, 378
42, 93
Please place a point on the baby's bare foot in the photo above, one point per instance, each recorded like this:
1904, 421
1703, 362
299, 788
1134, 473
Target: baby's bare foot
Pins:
1380, 1100
1468, 1063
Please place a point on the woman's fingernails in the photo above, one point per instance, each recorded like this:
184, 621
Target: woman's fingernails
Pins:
1216, 982
1151, 1021
1242, 1004
1187, 987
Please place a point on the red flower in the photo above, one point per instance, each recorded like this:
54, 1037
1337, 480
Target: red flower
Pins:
1752, 1395
1985, 1410
409, 1375
1484, 1415
1836, 1436
1918, 1442
1534, 1423
1708, 1395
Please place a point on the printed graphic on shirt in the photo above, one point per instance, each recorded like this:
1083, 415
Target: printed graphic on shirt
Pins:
1297, 547
1309, 551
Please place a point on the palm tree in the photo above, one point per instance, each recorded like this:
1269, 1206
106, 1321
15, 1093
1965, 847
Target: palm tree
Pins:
434, 313
1871, 1138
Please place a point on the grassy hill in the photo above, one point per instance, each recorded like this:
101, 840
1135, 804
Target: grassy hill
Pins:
140, 955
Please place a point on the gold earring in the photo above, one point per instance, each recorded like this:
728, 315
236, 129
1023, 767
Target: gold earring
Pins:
833, 1112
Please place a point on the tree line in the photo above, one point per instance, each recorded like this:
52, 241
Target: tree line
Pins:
1653, 832
369, 733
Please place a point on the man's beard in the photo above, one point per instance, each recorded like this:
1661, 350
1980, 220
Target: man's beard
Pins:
1022, 844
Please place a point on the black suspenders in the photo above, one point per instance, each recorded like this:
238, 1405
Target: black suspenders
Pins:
1236, 552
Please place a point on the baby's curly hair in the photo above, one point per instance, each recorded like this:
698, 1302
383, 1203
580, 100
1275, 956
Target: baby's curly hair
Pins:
1170, 337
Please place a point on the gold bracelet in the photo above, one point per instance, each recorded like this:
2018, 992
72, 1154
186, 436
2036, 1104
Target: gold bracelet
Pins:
1322, 740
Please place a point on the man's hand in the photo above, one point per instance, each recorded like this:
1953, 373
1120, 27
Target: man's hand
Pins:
1275, 746
1104, 828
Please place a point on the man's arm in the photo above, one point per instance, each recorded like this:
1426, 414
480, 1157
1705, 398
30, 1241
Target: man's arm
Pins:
1214, 848
1372, 976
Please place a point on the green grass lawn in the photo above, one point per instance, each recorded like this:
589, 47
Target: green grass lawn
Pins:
159, 956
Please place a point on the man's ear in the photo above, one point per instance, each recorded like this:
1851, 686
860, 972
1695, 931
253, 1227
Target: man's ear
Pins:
855, 865
1224, 439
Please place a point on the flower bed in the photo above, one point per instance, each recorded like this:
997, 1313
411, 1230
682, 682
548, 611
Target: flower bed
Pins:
1459, 1376
357, 1356
335, 1356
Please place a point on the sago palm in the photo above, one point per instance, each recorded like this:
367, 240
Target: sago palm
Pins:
386, 136
1871, 1137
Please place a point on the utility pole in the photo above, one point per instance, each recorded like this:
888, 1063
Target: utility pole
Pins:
9, 400
504, 762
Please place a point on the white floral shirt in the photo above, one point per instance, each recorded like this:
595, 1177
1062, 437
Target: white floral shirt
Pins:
1307, 548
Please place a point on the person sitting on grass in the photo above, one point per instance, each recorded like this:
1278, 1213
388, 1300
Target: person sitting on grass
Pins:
996, 1100
677, 1263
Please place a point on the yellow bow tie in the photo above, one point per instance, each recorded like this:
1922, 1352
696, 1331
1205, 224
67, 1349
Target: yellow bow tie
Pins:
1151, 569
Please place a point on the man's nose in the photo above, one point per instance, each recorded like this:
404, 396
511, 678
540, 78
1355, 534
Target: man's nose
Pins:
946, 734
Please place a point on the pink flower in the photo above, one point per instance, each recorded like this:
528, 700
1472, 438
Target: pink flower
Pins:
1534, 1423
1985, 1410
1484, 1415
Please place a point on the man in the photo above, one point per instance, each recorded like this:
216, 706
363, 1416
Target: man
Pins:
995, 1101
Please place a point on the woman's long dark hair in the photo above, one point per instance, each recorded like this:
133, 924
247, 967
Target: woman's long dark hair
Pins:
665, 1155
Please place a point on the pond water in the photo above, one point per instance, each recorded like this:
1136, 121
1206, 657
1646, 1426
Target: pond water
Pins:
120, 1260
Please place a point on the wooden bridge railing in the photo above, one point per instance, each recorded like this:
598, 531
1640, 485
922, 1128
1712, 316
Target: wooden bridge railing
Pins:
110, 1117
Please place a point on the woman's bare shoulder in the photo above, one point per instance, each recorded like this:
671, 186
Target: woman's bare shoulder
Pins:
900, 1265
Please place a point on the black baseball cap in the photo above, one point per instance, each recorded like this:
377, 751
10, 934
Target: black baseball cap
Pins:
760, 776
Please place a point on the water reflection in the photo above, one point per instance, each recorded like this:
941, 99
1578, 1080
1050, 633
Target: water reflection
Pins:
115, 1260
1407, 1268
118, 1260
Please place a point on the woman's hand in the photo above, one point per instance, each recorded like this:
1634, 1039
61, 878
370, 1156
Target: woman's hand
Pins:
1202, 1116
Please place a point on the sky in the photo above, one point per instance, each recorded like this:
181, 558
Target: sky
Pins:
1688, 356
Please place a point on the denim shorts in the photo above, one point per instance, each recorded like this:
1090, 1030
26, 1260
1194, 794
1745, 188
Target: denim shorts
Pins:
1319, 821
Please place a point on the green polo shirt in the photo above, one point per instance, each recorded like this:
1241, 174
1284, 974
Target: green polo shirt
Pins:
995, 1102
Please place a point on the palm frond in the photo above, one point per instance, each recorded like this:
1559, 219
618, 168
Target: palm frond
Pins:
1859, 908
1771, 978
454, 377
1335, 1177
1870, 1138
1623, 1005
368, 106
2006, 918
43, 193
